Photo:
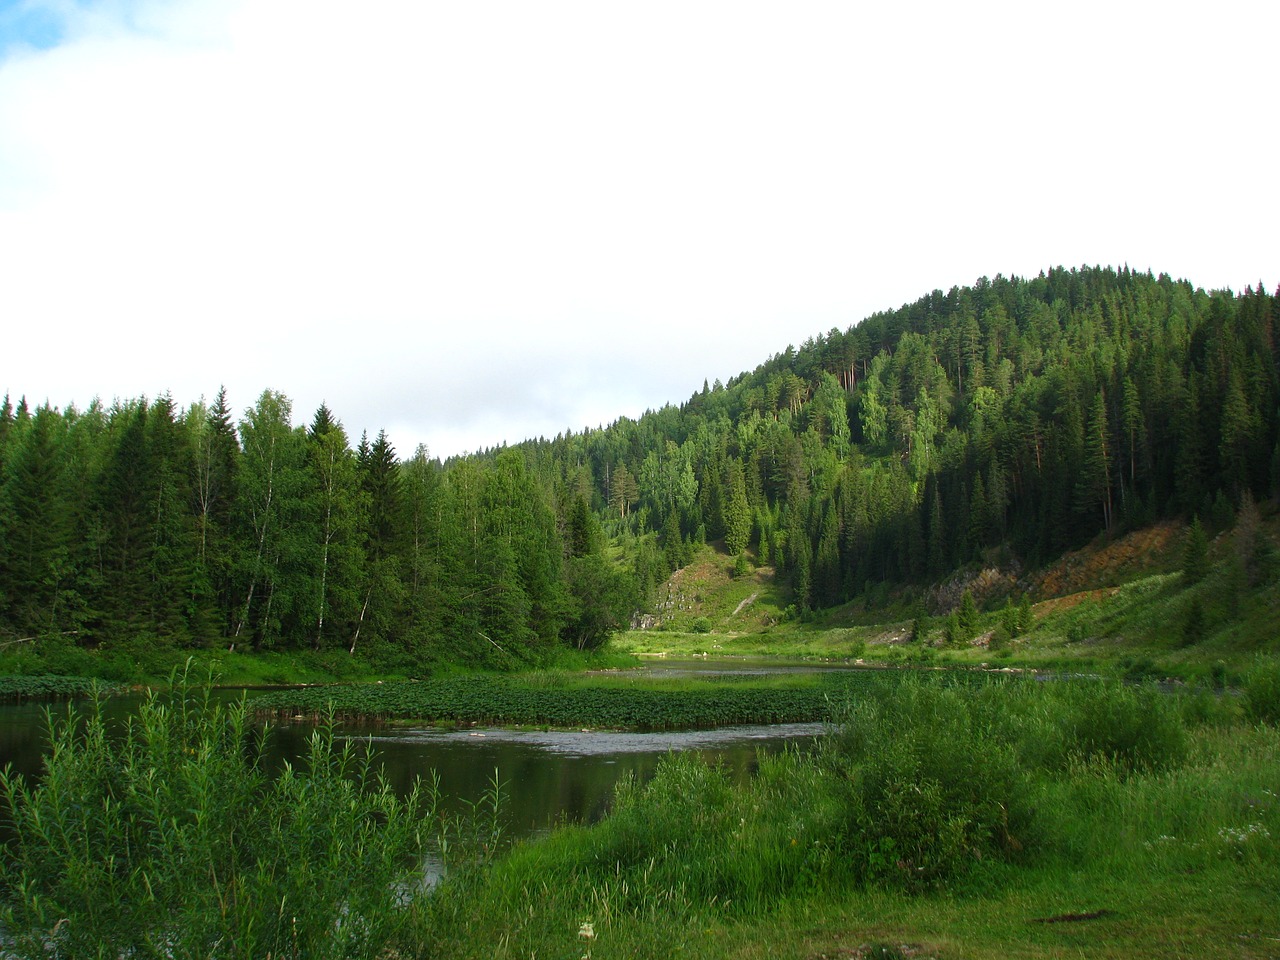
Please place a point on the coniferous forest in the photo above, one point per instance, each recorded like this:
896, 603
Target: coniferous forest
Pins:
1022, 416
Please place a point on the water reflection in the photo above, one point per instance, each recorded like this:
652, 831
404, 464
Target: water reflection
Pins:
547, 776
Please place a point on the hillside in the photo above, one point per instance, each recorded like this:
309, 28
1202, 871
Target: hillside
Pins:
1120, 603
981, 437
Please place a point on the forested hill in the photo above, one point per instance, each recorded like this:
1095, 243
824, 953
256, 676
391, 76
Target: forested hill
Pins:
1027, 413
1019, 416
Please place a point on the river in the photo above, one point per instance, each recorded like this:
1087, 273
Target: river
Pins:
547, 777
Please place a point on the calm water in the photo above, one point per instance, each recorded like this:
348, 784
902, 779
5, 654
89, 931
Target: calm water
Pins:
547, 776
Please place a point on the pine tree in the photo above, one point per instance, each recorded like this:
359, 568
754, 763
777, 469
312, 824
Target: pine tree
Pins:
967, 616
338, 507
738, 511
978, 514
422, 525
1237, 437
214, 459
124, 507
1093, 488
274, 528
937, 536
1195, 553
35, 527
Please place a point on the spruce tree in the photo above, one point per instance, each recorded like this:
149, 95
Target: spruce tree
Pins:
1195, 553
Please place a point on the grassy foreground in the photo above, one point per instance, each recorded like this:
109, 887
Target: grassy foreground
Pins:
1010, 820
946, 819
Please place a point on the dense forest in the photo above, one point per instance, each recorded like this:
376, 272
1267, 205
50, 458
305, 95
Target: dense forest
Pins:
1012, 419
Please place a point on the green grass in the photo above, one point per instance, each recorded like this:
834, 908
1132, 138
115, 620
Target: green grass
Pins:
951, 816
705, 593
150, 663
1139, 629
788, 641
1168, 852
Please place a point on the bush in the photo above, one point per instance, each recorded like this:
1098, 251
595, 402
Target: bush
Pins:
1055, 724
687, 840
169, 838
1137, 728
700, 625
1262, 692
930, 791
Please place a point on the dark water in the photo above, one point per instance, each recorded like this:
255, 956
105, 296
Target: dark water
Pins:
546, 777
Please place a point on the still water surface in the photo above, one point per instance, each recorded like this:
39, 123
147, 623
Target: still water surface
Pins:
548, 777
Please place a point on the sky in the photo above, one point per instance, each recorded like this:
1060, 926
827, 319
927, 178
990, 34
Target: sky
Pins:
473, 223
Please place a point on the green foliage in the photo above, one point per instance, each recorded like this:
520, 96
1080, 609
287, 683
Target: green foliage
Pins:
945, 775
594, 701
1056, 725
920, 627
1195, 553
602, 600
686, 841
1182, 862
1196, 623
942, 775
19, 688
1262, 692
930, 791
1019, 416
968, 614
170, 839
961, 625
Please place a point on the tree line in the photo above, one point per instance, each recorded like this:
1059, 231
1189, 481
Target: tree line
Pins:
189, 528
1015, 418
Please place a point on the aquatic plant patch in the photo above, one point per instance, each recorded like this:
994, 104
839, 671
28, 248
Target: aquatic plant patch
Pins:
511, 700
19, 688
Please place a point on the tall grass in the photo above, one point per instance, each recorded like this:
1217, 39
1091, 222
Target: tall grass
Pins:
1057, 797
169, 839
931, 784
1262, 692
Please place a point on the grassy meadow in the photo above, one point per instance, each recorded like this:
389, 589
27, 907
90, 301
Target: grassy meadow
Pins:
1015, 819
947, 815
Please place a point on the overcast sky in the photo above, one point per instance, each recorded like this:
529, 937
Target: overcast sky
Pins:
477, 222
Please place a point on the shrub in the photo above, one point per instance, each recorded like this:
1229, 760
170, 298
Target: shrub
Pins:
930, 792
1195, 553
1195, 624
1054, 724
691, 836
1262, 692
169, 838
700, 625
1136, 728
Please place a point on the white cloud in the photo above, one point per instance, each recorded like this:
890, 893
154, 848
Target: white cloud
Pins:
477, 222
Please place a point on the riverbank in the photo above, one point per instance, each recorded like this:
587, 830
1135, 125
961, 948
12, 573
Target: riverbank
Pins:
140, 664
993, 817
1020, 820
